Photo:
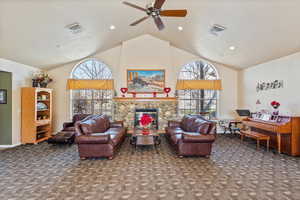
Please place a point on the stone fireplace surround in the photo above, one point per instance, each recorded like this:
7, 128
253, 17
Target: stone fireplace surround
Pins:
124, 109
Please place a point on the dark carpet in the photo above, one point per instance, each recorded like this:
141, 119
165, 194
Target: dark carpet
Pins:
234, 171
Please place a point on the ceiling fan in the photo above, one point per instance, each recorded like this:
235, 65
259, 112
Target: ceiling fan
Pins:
154, 10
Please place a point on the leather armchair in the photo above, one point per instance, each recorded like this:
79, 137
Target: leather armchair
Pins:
96, 136
193, 135
70, 126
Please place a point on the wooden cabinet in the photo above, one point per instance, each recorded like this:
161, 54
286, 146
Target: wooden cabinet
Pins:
36, 114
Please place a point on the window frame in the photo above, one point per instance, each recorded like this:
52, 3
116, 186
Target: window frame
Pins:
216, 98
71, 99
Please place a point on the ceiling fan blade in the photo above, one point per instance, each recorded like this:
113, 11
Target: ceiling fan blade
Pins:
159, 3
134, 6
160, 25
173, 13
139, 21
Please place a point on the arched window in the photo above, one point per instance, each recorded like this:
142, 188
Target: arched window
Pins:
91, 101
198, 101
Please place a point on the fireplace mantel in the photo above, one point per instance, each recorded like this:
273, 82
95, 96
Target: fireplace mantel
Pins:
131, 99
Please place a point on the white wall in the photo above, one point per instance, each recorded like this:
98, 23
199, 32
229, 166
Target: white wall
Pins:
286, 69
21, 77
144, 52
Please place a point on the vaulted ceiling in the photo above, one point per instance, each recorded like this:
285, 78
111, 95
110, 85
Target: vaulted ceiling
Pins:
33, 32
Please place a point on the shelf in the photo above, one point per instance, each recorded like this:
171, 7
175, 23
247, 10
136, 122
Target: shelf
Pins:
43, 122
43, 110
42, 139
41, 131
120, 99
45, 100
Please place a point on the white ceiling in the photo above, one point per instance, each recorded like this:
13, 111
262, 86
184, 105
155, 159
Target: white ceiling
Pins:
32, 31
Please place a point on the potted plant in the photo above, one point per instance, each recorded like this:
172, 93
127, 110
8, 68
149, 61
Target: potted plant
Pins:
41, 80
275, 106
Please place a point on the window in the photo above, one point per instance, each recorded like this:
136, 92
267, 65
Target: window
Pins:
198, 101
91, 101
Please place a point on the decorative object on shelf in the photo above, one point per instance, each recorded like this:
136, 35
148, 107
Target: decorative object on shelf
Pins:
145, 122
167, 91
123, 90
275, 106
44, 97
145, 81
133, 94
41, 106
41, 79
154, 94
261, 86
3, 96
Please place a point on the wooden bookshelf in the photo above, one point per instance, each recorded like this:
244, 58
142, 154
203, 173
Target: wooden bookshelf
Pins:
36, 122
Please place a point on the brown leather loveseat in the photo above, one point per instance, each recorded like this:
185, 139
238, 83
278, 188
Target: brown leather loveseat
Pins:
96, 136
192, 136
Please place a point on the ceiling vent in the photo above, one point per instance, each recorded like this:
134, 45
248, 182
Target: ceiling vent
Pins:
216, 28
74, 28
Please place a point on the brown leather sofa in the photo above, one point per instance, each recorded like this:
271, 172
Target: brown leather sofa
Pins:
192, 136
96, 136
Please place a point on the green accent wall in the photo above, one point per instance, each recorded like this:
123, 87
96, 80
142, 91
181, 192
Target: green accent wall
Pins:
6, 110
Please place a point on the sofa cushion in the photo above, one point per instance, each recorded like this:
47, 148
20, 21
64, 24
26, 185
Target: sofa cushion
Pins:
186, 122
201, 138
93, 139
87, 126
203, 128
79, 117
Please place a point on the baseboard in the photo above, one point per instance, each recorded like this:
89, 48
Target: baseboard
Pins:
9, 146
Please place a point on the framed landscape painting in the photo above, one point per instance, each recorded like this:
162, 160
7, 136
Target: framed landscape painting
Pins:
145, 81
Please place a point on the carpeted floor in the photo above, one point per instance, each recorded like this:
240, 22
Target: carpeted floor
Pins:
234, 171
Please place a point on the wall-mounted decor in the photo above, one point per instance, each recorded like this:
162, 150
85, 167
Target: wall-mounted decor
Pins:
145, 81
3, 96
269, 85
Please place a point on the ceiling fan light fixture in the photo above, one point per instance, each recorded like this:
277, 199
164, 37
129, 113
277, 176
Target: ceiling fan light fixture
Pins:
112, 27
232, 48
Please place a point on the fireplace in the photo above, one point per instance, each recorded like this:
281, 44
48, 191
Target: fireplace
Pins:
153, 112
125, 108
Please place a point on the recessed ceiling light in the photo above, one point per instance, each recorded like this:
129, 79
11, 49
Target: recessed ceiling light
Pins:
112, 27
180, 28
232, 48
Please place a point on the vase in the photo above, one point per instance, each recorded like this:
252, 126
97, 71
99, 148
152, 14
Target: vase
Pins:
145, 131
275, 111
43, 85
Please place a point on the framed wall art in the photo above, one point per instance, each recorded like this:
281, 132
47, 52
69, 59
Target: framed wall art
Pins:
145, 80
3, 96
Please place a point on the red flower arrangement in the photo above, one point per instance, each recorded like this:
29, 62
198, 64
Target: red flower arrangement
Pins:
275, 104
146, 120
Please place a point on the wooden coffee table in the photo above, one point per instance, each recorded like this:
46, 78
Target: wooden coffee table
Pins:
139, 139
